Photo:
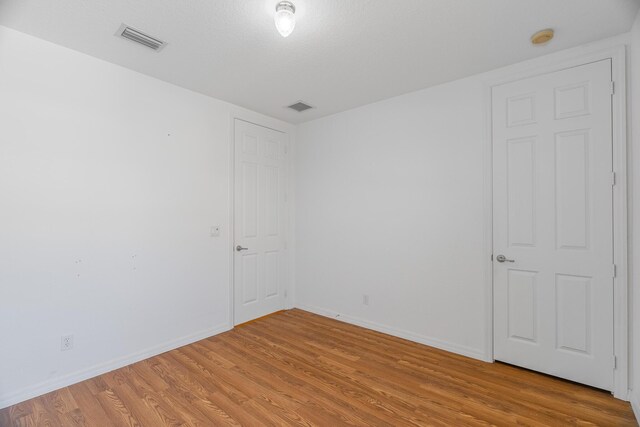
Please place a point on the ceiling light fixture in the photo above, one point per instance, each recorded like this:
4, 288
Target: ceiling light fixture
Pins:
285, 18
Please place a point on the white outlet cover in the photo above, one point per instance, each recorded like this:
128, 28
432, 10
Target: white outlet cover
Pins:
66, 342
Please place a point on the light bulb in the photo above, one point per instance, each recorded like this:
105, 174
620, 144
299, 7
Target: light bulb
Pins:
285, 18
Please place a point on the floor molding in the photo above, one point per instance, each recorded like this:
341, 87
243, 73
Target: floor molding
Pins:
411, 336
44, 387
635, 405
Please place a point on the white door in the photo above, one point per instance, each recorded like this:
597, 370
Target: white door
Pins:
259, 221
553, 201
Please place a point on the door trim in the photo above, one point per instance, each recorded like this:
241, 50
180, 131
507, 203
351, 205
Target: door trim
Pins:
273, 125
557, 62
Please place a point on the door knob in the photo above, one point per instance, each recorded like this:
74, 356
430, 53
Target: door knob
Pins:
502, 258
240, 248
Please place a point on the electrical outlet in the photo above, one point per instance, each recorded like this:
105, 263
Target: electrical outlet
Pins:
365, 299
66, 342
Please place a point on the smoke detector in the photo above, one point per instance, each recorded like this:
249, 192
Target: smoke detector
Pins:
542, 37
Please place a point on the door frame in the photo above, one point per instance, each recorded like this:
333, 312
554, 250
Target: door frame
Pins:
549, 64
277, 126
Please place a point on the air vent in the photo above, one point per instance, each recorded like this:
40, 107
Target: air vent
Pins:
300, 106
139, 37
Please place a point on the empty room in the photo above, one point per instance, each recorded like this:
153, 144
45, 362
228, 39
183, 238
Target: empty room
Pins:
319, 213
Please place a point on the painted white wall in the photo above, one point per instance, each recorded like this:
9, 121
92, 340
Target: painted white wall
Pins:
110, 181
390, 204
634, 193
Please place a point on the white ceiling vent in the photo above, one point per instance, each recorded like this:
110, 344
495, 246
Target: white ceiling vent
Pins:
139, 37
300, 106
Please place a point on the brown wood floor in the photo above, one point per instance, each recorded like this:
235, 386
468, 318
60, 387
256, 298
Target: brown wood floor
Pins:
296, 368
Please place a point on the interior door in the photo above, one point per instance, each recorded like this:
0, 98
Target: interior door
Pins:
553, 225
259, 221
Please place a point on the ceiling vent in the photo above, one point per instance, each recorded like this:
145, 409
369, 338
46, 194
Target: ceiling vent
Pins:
139, 37
300, 106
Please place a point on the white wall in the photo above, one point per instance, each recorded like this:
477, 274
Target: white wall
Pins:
634, 192
390, 204
109, 184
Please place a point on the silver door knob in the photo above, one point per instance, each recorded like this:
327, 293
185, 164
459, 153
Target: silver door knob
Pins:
502, 258
240, 248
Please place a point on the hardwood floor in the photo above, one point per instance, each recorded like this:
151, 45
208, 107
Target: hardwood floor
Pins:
296, 368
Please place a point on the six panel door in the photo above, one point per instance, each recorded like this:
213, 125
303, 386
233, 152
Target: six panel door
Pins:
553, 201
259, 221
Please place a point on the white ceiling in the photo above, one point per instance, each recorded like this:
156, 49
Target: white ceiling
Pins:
342, 54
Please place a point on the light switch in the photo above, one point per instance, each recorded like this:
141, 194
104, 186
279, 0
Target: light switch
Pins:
215, 231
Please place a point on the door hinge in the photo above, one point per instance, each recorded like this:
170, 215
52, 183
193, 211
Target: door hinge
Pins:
613, 88
491, 257
613, 179
613, 270
615, 362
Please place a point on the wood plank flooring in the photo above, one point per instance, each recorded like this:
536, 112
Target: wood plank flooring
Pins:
296, 368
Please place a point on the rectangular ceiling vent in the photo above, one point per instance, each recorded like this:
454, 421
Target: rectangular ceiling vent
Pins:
300, 106
139, 37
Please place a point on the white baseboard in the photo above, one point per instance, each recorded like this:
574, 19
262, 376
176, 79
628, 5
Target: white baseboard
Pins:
76, 377
411, 336
635, 405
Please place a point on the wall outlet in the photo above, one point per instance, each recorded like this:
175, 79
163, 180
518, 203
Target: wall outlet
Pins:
215, 231
66, 342
365, 299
